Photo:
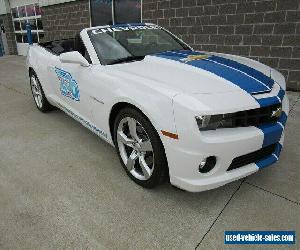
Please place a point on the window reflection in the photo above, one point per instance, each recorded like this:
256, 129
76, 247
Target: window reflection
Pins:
30, 10
127, 11
22, 11
35, 38
23, 24
39, 24
17, 25
14, 12
25, 40
101, 12
38, 10
19, 38
32, 23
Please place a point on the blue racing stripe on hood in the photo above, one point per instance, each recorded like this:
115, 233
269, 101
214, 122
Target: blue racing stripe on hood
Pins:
246, 69
238, 66
248, 79
264, 102
268, 101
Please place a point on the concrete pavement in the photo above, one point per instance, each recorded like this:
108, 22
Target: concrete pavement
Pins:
61, 187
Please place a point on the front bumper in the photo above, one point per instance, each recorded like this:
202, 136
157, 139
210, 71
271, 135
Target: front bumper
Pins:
184, 155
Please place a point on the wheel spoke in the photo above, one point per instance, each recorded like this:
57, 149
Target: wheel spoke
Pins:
124, 139
37, 101
38, 89
131, 160
146, 146
132, 128
35, 92
39, 97
35, 87
146, 170
33, 83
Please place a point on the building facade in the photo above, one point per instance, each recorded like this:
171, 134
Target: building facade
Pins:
265, 30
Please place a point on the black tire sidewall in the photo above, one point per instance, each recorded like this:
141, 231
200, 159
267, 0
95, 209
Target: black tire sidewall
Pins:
160, 162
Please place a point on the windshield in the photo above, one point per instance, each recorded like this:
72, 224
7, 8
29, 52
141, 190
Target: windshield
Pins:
116, 43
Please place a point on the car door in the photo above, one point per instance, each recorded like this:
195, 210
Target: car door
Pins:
73, 88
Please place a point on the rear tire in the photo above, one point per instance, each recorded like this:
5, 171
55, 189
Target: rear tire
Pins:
38, 94
139, 148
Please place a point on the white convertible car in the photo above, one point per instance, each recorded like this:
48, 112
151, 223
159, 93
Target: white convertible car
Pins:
202, 119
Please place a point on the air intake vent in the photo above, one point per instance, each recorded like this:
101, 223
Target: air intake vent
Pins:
252, 157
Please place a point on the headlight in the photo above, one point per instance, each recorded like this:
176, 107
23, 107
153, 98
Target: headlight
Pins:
212, 122
246, 118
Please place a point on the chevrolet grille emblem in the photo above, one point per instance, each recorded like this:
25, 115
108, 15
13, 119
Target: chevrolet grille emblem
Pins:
277, 113
194, 57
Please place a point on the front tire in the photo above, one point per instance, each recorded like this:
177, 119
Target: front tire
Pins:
140, 149
38, 94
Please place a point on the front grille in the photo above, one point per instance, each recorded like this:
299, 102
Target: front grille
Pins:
252, 157
255, 117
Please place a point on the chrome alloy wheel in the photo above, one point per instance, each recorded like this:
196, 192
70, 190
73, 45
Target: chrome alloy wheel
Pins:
36, 91
135, 148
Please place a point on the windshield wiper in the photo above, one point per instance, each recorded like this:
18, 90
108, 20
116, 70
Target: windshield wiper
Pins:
127, 59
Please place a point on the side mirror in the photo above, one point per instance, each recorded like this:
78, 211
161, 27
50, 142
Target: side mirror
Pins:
73, 57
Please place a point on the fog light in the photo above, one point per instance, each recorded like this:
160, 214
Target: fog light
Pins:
207, 164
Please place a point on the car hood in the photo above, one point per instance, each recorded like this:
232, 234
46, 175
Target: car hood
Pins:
198, 72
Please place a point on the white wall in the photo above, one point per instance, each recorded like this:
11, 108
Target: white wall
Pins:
15, 3
51, 2
4, 7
